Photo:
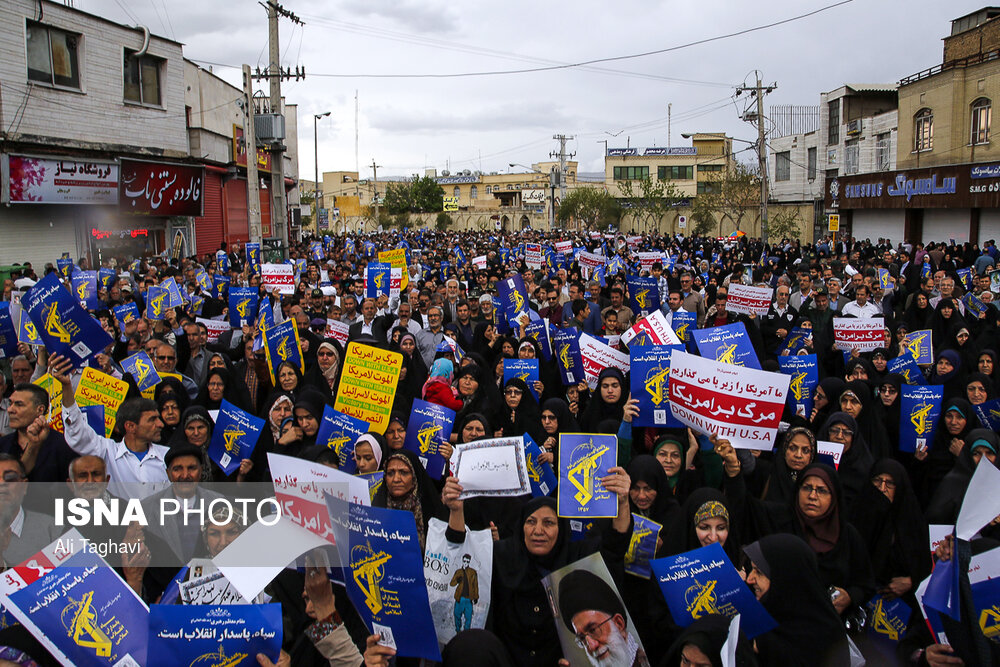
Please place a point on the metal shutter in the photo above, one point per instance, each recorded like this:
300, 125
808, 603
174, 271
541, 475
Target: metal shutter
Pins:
38, 234
209, 227
237, 218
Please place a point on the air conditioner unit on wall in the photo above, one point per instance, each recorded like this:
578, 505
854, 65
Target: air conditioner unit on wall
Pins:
269, 127
854, 127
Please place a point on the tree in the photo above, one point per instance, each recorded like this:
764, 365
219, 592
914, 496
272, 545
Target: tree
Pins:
732, 194
783, 222
443, 221
421, 194
591, 207
649, 201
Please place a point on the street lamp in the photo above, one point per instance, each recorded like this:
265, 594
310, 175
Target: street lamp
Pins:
552, 188
316, 189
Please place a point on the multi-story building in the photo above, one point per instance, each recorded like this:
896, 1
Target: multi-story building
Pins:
947, 185
111, 142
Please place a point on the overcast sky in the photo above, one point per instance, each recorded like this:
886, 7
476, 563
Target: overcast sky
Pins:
486, 122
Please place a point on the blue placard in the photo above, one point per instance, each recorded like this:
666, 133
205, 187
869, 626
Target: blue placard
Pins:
242, 306
84, 285
222, 261
524, 369
156, 303
8, 332
643, 294
795, 340
584, 458
539, 330
884, 279
338, 432
919, 345
125, 313
65, 266
316, 250
684, 325
543, 478
919, 409
702, 582
87, 612
175, 298
965, 276
907, 367
377, 276
234, 437
196, 304
220, 286
374, 480
887, 619
213, 634
650, 384
26, 331
65, 327
566, 349
974, 305
142, 369
204, 282
728, 344
642, 546
429, 427
513, 297
281, 343
106, 278
387, 587
94, 414
253, 258
804, 371
986, 602
989, 414
925, 270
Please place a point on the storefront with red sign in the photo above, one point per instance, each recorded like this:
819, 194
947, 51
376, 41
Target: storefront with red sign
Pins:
960, 202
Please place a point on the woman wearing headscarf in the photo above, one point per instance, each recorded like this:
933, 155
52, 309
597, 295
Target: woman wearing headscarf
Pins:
220, 385
407, 486
856, 460
438, 387
289, 377
369, 449
485, 341
412, 375
608, 402
703, 642
520, 614
172, 406
947, 499
826, 400
987, 365
475, 390
891, 522
890, 395
797, 450
252, 370
707, 517
676, 458
860, 368
325, 373
519, 413
955, 422
785, 579
308, 413
556, 419
960, 340
978, 388
195, 430
857, 401
949, 372
945, 316
395, 432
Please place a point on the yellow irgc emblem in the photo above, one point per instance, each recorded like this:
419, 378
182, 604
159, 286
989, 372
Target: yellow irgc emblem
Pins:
229, 437
54, 325
337, 444
534, 470
919, 417
83, 627
81, 290
640, 298
141, 370
369, 570
29, 328
379, 279
726, 354
915, 345
681, 331
518, 301
282, 349
426, 435
882, 624
798, 388
243, 306
564, 355
219, 659
581, 475
637, 536
157, 303
989, 622
701, 599
655, 381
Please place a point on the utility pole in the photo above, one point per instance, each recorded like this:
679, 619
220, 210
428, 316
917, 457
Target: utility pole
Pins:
375, 188
562, 139
274, 74
250, 145
760, 91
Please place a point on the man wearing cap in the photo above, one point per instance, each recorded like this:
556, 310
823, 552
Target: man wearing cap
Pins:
593, 612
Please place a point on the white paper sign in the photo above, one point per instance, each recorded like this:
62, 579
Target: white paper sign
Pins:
279, 277
597, 356
215, 328
865, 335
981, 503
337, 330
748, 299
656, 325
833, 449
495, 467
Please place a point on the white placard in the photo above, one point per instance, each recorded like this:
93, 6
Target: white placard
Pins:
656, 325
833, 449
748, 299
279, 277
495, 467
597, 356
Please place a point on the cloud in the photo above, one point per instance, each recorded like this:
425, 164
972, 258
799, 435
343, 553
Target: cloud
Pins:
491, 119
413, 16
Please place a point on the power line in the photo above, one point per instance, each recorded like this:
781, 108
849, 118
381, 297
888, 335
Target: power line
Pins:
580, 64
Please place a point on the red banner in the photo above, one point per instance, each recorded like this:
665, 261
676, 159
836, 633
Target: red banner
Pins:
162, 189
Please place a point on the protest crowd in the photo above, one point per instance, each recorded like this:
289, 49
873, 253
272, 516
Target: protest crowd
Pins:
573, 448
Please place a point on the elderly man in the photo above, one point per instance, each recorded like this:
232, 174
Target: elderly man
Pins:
429, 337
591, 609
43, 451
164, 357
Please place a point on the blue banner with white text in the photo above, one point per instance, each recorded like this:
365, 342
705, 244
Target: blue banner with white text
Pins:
428, 428
919, 409
213, 634
650, 384
728, 344
804, 371
234, 437
338, 432
63, 324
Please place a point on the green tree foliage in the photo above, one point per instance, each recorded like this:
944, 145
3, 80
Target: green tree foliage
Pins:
732, 194
443, 221
593, 208
421, 194
783, 223
647, 201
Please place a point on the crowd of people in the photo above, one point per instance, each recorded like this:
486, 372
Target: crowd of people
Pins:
815, 543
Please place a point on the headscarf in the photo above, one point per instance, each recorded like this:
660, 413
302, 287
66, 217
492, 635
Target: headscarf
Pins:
476, 647
645, 468
780, 486
832, 388
443, 368
526, 418
373, 441
473, 417
423, 501
330, 374
985, 380
856, 461
822, 532
179, 438
709, 634
869, 419
663, 441
276, 397
704, 503
597, 410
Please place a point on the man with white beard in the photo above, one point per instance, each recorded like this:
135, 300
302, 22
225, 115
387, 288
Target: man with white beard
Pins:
594, 613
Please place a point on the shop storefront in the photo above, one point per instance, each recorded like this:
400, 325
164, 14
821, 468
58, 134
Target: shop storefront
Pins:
955, 202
